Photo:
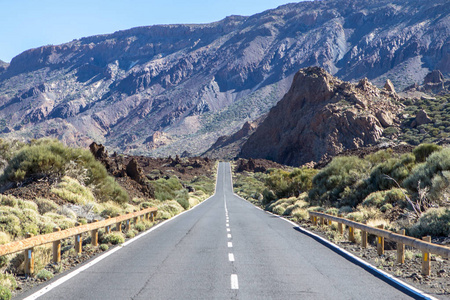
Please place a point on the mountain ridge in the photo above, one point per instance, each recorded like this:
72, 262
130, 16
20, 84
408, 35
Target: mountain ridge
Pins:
197, 82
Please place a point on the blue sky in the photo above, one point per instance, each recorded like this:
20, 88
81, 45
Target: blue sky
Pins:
26, 24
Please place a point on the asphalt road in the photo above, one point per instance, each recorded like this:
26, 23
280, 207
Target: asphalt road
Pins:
224, 248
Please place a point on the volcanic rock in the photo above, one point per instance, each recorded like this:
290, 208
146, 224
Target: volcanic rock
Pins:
321, 116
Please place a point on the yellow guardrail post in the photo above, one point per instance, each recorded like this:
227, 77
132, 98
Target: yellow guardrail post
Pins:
351, 234
56, 248
94, 236
341, 228
426, 261
380, 242
401, 250
119, 225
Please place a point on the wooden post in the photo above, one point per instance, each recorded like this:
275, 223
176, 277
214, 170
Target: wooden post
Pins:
127, 225
426, 262
118, 225
401, 250
315, 220
135, 219
322, 221
152, 217
364, 238
341, 228
351, 234
330, 222
380, 243
29, 258
56, 248
108, 228
78, 241
94, 236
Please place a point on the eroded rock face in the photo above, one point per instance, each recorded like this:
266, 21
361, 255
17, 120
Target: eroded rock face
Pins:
321, 116
421, 119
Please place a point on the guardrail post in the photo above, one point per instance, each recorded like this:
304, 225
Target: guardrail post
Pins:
341, 228
78, 241
94, 236
152, 216
118, 225
135, 219
322, 221
351, 234
426, 262
127, 225
29, 258
401, 250
315, 220
56, 248
108, 228
330, 222
364, 238
380, 242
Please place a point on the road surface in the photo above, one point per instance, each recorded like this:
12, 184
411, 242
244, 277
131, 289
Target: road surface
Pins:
224, 249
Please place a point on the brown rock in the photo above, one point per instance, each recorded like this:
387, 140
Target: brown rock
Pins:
434, 77
421, 119
319, 117
389, 86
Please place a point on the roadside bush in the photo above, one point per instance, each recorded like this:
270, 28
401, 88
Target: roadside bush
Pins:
8, 281
433, 174
72, 191
168, 209
140, 227
104, 247
5, 293
435, 222
113, 238
393, 196
290, 184
422, 151
331, 181
268, 196
165, 189
4, 238
45, 205
47, 157
44, 275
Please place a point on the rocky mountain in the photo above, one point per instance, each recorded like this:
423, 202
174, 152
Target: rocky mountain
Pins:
168, 89
321, 116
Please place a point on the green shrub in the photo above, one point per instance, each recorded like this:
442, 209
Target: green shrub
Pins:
182, 197
140, 227
289, 184
433, 174
44, 275
114, 238
435, 222
422, 151
10, 224
45, 205
71, 190
8, 281
5, 293
268, 196
104, 247
131, 233
341, 172
168, 209
279, 210
46, 157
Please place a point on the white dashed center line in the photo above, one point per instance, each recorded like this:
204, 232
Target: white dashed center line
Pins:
228, 225
230, 256
234, 282
228, 229
229, 236
230, 244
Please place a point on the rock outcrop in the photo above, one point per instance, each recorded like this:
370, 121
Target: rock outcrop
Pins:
319, 117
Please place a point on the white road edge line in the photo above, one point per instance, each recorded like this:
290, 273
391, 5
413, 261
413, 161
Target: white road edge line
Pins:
234, 282
74, 273
230, 256
361, 261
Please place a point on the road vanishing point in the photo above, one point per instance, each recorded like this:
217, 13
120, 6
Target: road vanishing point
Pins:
225, 248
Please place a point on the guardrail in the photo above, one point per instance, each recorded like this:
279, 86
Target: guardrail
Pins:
31, 241
424, 245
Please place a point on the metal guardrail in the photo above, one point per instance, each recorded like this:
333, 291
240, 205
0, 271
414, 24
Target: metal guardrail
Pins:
33, 241
424, 245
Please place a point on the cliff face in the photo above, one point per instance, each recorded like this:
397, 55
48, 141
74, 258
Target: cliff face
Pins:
321, 116
195, 83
